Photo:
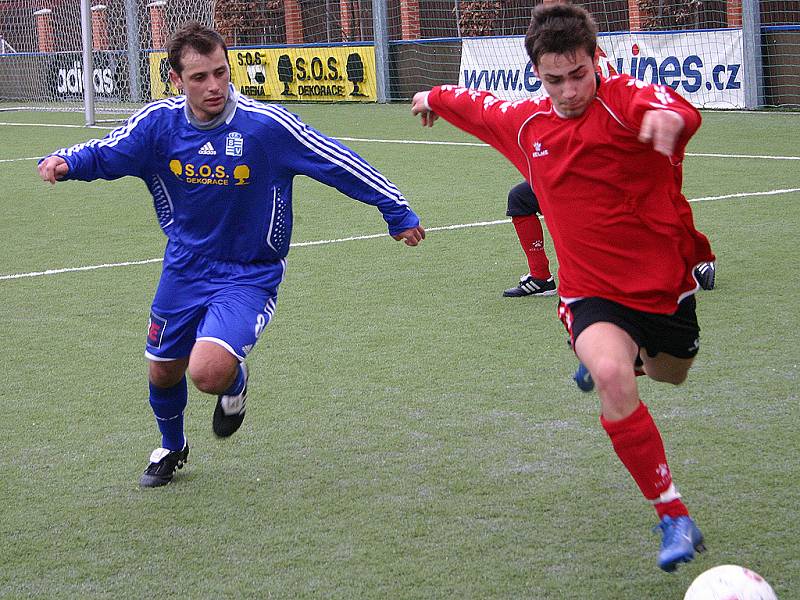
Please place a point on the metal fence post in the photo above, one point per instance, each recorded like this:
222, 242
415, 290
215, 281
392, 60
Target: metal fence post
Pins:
380, 17
88, 66
751, 51
134, 46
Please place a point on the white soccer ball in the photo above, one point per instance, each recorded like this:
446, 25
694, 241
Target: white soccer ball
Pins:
729, 582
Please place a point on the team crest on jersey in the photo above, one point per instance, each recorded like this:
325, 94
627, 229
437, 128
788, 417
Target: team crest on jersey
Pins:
234, 144
208, 149
538, 152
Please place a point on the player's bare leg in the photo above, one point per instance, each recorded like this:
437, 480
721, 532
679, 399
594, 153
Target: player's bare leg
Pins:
214, 370
609, 353
666, 368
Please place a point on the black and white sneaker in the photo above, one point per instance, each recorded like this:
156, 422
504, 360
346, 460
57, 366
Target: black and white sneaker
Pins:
706, 273
162, 467
229, 413
528, 286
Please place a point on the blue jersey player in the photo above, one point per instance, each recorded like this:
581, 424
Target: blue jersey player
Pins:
219, 167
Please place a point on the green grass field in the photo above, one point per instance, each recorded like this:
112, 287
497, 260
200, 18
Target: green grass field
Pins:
410, 433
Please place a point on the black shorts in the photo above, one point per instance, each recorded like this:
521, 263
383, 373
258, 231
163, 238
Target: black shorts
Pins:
677, 334
522, 201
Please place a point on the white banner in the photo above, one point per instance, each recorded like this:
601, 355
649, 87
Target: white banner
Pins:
705, 67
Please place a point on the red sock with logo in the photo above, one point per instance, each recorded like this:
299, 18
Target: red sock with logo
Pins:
531, 238
637, 442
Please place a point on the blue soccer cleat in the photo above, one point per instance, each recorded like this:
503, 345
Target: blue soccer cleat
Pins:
583, 378
681, 538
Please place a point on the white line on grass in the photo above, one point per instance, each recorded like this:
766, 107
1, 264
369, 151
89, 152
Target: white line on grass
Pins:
68, 126
746, 194
415, 142
696, 154
5, 160
482, 145
75, 269
355, 238
742, 156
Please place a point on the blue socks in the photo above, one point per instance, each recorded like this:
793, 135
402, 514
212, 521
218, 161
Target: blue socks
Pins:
238, 384
168, 405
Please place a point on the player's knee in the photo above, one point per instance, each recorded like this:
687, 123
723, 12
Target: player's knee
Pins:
212, 369
609, 374
204, 379
165, 374
211, 378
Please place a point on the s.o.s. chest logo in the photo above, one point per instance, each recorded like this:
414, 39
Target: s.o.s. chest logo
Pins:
209, 174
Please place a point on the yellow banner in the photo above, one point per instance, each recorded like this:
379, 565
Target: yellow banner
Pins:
341, 73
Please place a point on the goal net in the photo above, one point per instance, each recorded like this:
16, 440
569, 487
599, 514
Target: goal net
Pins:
41, 66
718, 53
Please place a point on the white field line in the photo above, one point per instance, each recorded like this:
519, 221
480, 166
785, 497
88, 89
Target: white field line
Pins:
356, 238
57, 125
482, 145
380, 141
5, 160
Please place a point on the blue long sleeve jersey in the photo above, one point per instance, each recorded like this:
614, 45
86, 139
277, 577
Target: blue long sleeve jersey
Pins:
226, 192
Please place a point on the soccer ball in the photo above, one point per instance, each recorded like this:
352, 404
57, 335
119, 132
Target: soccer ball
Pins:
729, 582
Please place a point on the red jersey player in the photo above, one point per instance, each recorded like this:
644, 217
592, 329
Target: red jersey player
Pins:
604, 158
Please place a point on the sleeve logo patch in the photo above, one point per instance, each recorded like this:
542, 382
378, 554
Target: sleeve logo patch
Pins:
155, 330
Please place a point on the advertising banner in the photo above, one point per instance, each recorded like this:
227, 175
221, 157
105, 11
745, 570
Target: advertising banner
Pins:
705, 67
66, 76
340, 73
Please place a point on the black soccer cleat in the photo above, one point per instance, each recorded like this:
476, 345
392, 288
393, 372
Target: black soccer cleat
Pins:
162, 467
229, 413
706, 273
528, 286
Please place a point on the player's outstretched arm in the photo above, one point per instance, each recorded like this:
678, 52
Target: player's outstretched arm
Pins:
53, 168
419, 106
662, 128
412, 236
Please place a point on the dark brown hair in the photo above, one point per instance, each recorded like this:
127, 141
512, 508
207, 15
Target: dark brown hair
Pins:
560, 29
196, 36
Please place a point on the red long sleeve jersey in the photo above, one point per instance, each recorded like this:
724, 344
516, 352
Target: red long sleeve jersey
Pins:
621, 227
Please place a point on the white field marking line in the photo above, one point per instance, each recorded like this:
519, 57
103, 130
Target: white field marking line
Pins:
746, 194
709, 155
75, 269
694, 154
380, 235
295, 245
57, 125
5, 160
357, 237
378, 141
482, 145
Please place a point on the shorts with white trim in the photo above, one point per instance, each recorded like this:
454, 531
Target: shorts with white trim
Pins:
205, 299
677, 334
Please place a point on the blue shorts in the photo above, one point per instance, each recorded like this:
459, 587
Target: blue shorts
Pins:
199, 298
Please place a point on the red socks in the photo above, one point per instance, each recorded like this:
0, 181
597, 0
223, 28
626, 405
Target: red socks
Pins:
531, 238
638, 444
